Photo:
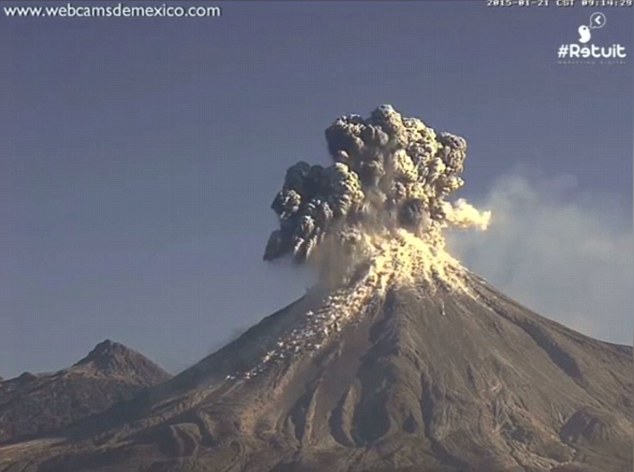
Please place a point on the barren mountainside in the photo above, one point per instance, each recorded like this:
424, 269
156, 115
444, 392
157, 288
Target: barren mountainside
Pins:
36, 404
399, 359
414, 382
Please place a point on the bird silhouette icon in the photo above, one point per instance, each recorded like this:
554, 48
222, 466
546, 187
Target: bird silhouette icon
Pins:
584, 34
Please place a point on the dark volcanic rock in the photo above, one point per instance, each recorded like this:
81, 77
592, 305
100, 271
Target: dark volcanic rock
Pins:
415, 381
32, 405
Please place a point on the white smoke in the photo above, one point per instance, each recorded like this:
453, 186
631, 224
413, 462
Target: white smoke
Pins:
561, 251
463, 215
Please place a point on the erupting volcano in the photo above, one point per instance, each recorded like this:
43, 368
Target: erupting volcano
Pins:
399, 359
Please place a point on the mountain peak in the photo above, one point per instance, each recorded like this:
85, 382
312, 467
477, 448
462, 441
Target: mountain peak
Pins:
109, 357
40, 404
105, 351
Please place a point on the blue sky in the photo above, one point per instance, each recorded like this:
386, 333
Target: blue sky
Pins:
138, 159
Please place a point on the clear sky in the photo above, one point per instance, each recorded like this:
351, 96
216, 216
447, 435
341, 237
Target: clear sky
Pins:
139, 157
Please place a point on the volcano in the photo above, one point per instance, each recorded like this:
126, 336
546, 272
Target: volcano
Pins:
364, 380
399, 359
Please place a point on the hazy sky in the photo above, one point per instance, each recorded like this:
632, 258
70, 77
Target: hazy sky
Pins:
139, 157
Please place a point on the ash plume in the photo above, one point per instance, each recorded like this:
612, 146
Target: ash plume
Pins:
389, 182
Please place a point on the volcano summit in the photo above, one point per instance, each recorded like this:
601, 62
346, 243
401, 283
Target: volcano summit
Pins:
399, 359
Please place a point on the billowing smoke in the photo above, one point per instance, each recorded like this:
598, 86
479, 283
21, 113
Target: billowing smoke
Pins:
371, 220
390, 174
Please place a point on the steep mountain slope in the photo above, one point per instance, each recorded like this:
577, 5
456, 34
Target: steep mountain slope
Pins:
399, 359
36, 404
409, 380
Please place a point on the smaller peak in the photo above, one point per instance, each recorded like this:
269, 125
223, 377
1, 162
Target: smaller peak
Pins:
108, 346
113, 358
26, 377
105, 352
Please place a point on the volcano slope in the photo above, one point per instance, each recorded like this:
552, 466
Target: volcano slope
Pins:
414, 381
399, 359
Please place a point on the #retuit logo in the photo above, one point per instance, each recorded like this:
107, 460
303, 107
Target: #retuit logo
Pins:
586, 51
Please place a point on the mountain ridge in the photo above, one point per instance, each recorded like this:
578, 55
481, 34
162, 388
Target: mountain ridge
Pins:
32, 405
418, 380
